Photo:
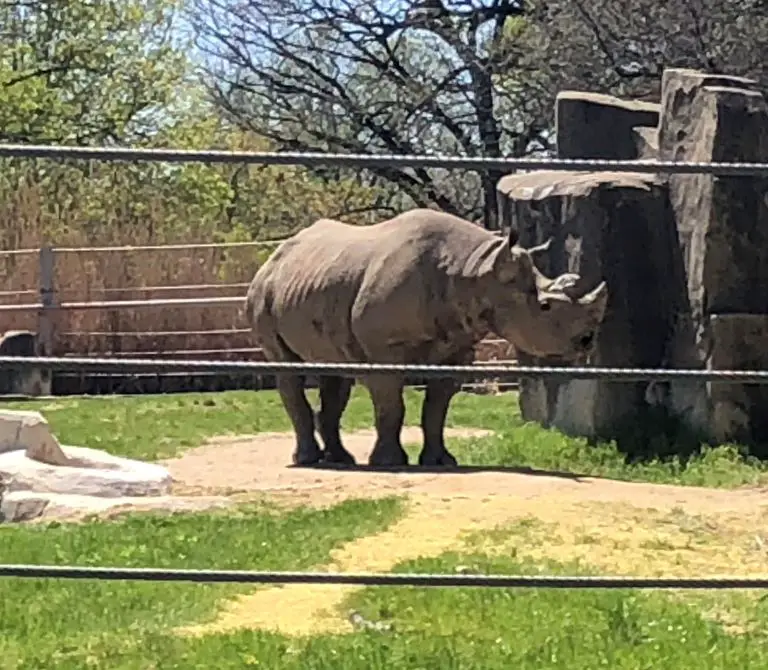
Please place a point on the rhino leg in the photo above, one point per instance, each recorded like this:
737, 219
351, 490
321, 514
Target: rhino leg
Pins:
389, 411
291, 389
433, 412
334, 396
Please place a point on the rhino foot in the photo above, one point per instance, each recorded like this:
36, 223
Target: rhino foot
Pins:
388, 457
341, 456
443, 458
307, 456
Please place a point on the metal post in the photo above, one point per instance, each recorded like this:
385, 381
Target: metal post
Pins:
45, 328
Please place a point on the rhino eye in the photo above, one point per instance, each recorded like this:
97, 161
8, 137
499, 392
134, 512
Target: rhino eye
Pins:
545, 306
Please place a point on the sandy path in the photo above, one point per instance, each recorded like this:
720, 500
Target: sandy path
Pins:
262, 464
633, 528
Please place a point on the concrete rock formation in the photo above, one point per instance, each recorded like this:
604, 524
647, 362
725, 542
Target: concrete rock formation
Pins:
598, 222
723, 228
41, 478
29, 432
591, 125
702, 256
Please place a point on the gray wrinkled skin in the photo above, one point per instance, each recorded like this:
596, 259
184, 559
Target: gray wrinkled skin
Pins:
421, 288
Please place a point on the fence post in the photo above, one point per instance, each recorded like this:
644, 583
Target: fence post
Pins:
45, 329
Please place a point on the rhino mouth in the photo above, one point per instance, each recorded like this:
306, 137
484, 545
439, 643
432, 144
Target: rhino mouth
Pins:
587, 340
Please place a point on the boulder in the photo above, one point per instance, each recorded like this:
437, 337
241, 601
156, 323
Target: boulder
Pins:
613, 226
30, 433
89, 472
592, 125
34, 467
21, 506
722, 227
40, 479
720, 220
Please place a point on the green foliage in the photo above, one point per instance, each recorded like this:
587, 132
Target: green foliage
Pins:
86, 72
117, 72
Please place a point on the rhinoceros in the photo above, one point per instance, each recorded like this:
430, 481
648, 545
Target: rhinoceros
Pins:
423, 287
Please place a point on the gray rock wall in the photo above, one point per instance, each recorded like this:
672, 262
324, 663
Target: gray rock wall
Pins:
614, 226
685, 256
723, 228
591, 125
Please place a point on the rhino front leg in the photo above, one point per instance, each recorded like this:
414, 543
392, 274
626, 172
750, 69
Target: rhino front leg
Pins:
389, 411
433, 413
334, 396
291, 389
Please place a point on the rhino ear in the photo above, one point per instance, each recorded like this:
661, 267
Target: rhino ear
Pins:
502, 261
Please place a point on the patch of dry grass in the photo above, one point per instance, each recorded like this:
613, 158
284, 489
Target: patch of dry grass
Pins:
623, 540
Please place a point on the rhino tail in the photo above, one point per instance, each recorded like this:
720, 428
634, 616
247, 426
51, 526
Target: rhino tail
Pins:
249, 308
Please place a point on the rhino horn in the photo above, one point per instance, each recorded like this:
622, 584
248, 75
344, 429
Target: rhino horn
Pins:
538, 251
597, 297
567, 283
540, 248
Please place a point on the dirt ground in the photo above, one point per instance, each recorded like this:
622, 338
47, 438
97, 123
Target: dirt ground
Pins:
620, 527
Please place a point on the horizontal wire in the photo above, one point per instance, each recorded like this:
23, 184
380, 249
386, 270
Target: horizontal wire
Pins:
376, 579
311, 159
462, 372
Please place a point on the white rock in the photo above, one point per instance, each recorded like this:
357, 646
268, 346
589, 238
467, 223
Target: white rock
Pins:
89, 472
22, 506
29, 432
13, 508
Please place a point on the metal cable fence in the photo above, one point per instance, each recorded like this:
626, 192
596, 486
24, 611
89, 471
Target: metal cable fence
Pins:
354, 370
464, 373
376, 579
311, 159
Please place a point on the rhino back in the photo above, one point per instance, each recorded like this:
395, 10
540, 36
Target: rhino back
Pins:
312, 285
339, 292
416, 296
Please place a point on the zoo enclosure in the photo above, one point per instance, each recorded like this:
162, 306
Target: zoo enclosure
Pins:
86, 309
752, 376
63, 303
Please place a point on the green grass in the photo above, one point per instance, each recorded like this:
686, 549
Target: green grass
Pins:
462, 629
78, 624
159, 426
152, 427
548, 628
529, 446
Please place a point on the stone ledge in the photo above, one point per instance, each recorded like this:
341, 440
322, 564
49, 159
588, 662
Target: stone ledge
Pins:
89, 472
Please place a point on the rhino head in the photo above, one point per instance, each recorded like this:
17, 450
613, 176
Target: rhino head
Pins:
540, 316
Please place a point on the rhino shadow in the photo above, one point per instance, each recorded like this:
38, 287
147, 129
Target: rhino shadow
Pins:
459, 469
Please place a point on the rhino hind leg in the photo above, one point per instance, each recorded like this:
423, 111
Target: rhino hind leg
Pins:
293, 396
334, 396
294, 399
389, 412
433, 413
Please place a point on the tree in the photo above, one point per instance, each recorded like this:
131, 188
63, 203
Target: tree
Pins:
621, 47
83, 202
372, 76
87, 72
463, 77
